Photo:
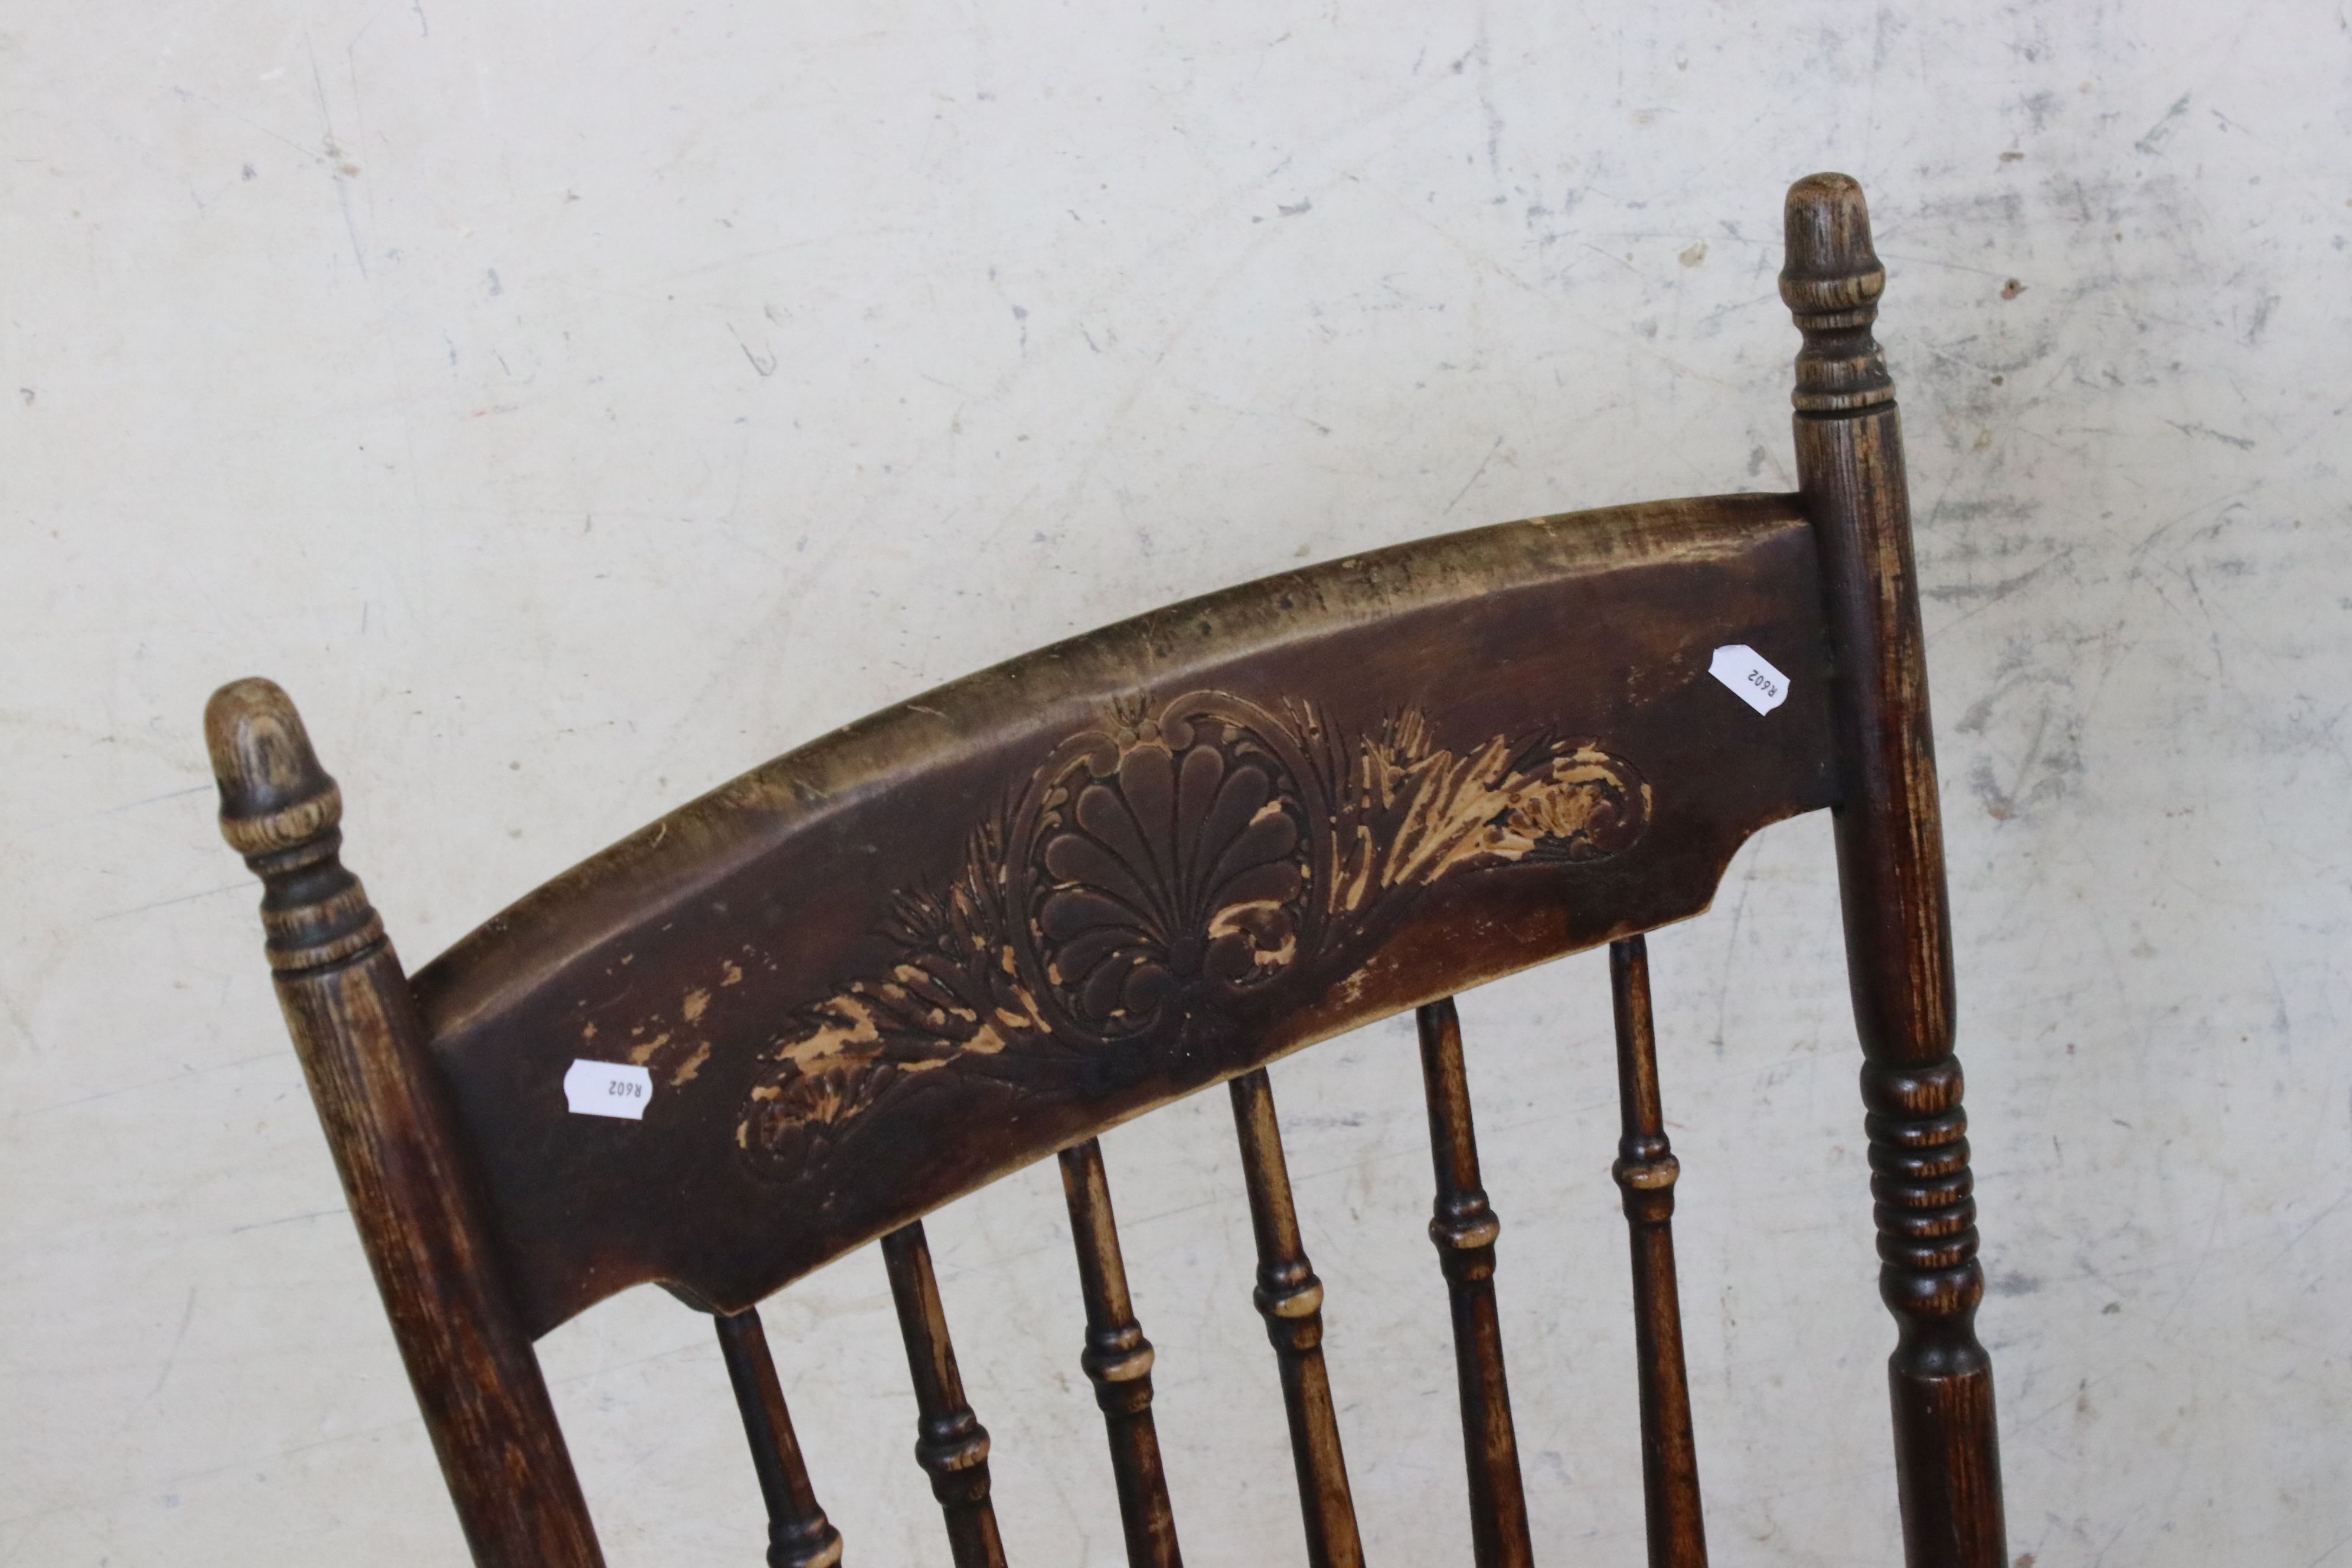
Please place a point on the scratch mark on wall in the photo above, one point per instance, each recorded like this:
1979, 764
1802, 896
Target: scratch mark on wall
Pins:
2161, 131
162, 903
2243, 443
1475, 473
286, 1219
334, 156
172, 1356
766, 367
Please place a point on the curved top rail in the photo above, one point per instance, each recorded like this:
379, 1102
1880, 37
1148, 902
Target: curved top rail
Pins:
946, 940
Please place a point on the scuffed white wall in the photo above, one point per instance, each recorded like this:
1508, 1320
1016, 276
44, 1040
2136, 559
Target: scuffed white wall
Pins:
575, 405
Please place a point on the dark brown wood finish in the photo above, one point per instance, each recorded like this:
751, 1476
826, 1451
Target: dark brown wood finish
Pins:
1117, 1361
951, 1444
1646, 1171
1513, 729
405, 1169
1290, 1299
1464, 1225
1891, 875
979, 928
799, 1535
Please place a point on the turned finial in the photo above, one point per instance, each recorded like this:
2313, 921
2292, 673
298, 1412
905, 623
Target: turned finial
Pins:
273, 795
281, 810
1831, 281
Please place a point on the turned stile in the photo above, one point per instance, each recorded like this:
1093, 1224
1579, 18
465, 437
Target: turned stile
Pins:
1891, 877
799, 1535
1646, 1171
1117, 1361
1463, 1226
395, 1137
1290, 1299
951, 1444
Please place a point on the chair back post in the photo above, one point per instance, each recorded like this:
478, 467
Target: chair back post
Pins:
1890, 848
362, 1046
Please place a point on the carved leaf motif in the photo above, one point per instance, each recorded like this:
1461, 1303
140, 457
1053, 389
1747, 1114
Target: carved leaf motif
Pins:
1417, 813
800, 1116
955, 992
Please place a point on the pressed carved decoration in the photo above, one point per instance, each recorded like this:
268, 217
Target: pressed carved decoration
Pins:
1165, 879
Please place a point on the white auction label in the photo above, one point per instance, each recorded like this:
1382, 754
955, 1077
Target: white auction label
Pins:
1751, 675
608, 1088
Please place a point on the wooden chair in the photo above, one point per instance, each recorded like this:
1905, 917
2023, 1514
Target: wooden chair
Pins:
979, 928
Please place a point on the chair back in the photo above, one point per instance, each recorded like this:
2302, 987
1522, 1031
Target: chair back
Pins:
979, 928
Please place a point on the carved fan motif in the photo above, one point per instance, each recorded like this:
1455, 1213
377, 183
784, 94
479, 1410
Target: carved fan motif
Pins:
1169, 869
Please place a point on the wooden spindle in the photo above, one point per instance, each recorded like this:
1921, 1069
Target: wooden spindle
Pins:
1117, 1361
1890, 840
1646, 1170
1464, 1225
799, 1535
951, 1444
1290, 1297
